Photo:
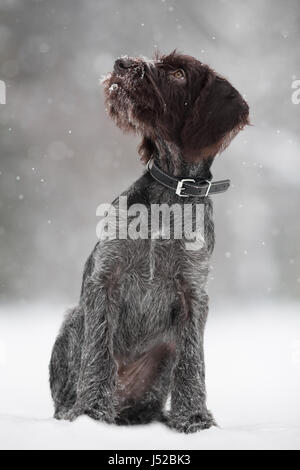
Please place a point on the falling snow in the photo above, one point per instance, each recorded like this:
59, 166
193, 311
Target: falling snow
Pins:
60, 157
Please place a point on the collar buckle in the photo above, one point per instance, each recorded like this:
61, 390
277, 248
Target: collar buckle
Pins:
208, 188
180, 187
149, 164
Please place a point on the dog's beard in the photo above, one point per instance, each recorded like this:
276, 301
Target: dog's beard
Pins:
120, 106
121, 103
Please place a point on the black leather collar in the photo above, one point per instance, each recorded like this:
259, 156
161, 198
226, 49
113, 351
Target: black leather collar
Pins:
186, 187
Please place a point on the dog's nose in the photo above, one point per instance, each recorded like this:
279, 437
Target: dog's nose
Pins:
121, 65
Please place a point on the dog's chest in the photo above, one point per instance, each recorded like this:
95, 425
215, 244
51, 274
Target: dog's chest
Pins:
152, 295
155, 269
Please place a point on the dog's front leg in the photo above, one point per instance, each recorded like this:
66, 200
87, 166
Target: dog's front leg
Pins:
188, 392
95, 388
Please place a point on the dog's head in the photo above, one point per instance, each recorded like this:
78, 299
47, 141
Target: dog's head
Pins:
177, 98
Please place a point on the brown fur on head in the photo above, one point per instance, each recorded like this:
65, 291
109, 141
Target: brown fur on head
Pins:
177, 99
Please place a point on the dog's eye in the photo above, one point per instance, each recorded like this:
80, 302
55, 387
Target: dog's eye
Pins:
179, 74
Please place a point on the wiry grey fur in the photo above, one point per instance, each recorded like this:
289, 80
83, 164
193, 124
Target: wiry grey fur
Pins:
136, 336
137, 294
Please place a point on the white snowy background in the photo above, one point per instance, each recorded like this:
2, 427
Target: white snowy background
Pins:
253, 381
60, 157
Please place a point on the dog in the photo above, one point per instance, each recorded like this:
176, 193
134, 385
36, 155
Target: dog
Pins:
136, 337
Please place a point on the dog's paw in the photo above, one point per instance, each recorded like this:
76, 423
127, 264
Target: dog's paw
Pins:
73, 413
60, 413
69, 414
100, 415
193, 423
96, 412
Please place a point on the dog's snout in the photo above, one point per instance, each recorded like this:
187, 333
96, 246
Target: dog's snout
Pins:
245, 106
123, 64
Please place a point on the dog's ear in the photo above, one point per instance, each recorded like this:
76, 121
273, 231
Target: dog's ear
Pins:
195, 136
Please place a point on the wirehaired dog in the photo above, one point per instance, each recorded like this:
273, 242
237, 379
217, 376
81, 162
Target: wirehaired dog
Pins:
136, 336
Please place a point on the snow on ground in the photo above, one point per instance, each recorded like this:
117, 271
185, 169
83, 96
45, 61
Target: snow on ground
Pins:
253, 379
